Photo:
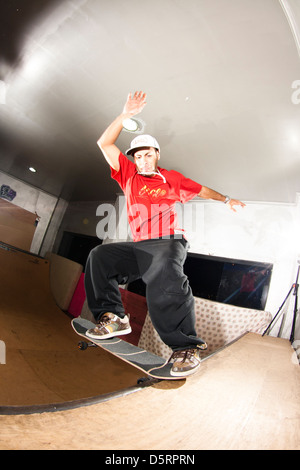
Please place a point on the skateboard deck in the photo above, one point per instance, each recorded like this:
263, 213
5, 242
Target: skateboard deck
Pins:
154, 366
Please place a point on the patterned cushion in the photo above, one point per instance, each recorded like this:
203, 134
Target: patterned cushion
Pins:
216, 323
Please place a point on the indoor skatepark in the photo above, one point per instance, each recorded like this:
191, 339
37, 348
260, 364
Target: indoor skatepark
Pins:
223, 96
54, 396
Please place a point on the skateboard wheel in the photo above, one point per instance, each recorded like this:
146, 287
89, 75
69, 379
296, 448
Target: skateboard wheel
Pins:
82, 345
142, 380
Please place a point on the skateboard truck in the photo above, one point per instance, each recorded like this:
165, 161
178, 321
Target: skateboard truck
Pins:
83, 345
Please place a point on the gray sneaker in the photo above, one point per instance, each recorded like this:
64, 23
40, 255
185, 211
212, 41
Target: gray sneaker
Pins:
110, 325
186, 362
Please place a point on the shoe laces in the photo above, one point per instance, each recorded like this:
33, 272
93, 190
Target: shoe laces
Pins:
105, 319
185, 354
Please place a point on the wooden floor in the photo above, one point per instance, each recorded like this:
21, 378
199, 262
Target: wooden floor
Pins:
43, 363
245, 397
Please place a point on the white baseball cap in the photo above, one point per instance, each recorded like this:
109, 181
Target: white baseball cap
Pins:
142, 141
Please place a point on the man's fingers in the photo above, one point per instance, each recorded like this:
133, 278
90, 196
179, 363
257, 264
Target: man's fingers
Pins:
139, 95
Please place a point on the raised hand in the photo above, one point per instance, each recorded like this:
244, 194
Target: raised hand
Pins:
135, 104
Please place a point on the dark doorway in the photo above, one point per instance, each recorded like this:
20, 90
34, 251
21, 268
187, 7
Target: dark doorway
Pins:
77, 247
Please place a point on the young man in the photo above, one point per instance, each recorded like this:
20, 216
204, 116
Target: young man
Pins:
158, 250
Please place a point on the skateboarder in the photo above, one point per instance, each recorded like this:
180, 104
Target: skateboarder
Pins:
157, 252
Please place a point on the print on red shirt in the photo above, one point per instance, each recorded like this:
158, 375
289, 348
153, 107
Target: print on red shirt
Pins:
151, 200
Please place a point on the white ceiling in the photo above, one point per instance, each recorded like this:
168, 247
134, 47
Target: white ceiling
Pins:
218, 75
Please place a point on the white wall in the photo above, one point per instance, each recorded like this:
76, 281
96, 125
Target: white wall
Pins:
265, 232
48, 207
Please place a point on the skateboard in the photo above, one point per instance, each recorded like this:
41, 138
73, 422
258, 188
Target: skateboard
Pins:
154, 366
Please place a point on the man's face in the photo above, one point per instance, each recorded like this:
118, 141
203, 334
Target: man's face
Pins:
146, 160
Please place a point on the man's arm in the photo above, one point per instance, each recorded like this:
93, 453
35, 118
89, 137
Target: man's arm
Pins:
133, 106
207, 193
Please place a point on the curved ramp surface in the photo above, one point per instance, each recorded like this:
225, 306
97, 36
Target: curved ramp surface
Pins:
245, 397
43, 364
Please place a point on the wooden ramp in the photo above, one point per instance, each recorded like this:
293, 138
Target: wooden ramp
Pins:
247, 396
43, 364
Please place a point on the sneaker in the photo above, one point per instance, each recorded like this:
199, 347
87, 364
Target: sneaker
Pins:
186, 362
110, 325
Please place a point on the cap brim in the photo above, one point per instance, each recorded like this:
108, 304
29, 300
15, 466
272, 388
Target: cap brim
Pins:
135, 149
129, 152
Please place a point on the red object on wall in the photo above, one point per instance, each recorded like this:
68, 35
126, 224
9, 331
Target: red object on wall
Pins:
78, 298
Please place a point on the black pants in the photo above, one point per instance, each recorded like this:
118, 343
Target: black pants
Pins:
160, 264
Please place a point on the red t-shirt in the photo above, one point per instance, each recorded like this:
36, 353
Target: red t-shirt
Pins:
151, 200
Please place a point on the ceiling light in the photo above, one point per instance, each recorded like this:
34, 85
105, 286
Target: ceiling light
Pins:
133, 125
33, 170
130, 125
